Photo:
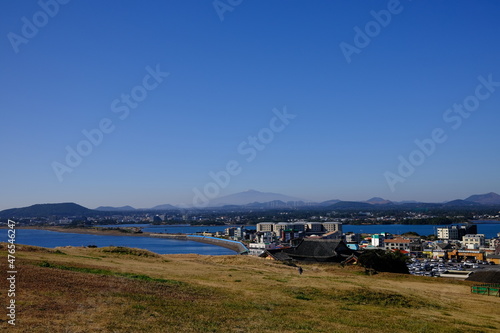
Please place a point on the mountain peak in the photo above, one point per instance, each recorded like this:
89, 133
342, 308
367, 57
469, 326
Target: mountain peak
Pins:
52, 209
491, 198
249, 197
378, 201
114, 209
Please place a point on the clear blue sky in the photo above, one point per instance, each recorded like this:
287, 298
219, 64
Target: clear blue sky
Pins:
353, 120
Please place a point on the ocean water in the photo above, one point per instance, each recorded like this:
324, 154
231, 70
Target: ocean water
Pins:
52, 239
487, 228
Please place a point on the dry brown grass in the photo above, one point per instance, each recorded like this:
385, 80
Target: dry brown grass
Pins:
107, 290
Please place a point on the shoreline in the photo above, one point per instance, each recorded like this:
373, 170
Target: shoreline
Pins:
237, 247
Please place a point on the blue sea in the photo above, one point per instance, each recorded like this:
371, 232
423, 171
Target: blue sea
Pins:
52, 239
487, 228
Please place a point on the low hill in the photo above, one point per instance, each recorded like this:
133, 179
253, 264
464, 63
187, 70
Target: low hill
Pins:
350, 205
378, 201
461, 203
131, 290
329, 202
485, 199
115, 209
164, 207
57, 209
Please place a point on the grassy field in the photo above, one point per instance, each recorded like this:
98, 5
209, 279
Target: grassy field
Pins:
127, 290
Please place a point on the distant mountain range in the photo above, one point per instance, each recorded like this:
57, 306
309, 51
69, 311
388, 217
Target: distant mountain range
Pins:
252, 200
251, 197
485, 199
115, 209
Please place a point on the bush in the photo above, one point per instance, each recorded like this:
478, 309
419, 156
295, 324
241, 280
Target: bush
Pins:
384, 261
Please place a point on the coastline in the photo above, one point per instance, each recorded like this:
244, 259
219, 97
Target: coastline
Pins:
237, 247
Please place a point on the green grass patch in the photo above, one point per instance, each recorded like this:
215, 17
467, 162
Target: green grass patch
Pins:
129, 251
86, 257
282, 280
366, 296
305, 294
100, 271
303, 297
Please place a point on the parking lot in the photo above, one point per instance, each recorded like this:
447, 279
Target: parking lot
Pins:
436, 267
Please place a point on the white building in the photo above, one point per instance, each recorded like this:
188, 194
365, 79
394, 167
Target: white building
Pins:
282, 226
352, 237
256, 249
378, 240
332, 226
314, 227
397, 244
264, 241
473, 242
264, 227
317, 228
447, 233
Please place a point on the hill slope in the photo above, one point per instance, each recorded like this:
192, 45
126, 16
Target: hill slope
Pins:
58, 209
485, 199
127, 290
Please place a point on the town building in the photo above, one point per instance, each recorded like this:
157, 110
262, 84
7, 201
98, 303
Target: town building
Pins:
494, 258
400, 244
473, 242
314, 228
256, 249
282, 229
462, 255
352, 237
378, 240
332, 226
264, 227
456, 232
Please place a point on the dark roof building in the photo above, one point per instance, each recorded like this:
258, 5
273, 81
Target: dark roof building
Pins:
276, 254
325, 250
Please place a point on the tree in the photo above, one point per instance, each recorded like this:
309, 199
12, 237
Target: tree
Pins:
411, 234
384, 261
429, 238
